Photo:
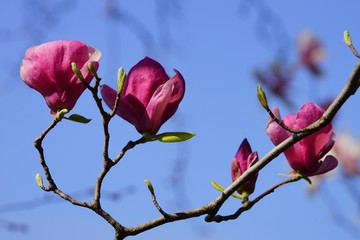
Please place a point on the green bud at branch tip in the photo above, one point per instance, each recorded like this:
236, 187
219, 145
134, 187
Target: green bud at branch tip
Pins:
60, 113
347, 38
262, 97
149, 185
39, 180
77, 71
121, 79
92, 70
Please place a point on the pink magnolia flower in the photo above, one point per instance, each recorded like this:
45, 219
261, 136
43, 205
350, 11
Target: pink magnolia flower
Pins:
242, 161
47, 69
149, 97
305, 156
311, 53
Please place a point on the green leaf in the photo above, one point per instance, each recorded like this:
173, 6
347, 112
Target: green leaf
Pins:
170, 137
221, 189
78, 118
217, 186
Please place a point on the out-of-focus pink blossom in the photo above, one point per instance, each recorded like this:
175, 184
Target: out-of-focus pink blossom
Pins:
47, 69
242, 161
277, 79
149, 97
305, 156
347, 151
311, 53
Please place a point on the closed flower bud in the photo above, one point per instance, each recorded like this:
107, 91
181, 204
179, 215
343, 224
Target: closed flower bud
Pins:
244, 158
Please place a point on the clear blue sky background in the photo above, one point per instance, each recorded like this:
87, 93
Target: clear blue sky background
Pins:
215, 45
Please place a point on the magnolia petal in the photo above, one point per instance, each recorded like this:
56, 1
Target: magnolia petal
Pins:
142, 81
328, 164
275, 132
242, 154
156, 107
235, 173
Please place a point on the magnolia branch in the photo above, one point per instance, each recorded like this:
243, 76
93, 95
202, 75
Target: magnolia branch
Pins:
212, 208
249, 204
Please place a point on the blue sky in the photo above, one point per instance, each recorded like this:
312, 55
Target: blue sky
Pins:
216, 46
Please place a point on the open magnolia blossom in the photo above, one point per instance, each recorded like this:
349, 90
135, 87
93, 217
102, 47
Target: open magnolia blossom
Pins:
47, 69
244, 158
149, 97
305, 156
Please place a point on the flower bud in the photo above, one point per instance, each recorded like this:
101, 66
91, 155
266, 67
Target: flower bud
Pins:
347, 38
262, 97
39, 180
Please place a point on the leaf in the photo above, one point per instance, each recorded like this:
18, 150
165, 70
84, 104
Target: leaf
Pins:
217, 186
170, 137
221, 189
78, 118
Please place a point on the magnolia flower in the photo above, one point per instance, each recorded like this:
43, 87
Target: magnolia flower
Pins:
305, 156
149, 97
310, 52
244, 158
47, 69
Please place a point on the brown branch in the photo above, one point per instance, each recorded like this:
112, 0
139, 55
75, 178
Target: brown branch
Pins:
212, 208
249, 204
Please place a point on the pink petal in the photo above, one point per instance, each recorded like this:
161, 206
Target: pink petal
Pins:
328, 164
142, 81
155, 109
176, 96
242, 155
275, 132
235, 173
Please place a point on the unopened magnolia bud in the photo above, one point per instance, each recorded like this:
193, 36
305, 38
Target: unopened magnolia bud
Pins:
262, 97
347, 38
93, 70
149, 185
60, 114
121, 80
77, 71
39, 180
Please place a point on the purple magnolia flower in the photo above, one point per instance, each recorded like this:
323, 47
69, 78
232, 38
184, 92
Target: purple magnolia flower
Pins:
243, 159
305, 156
149, 97
47, 69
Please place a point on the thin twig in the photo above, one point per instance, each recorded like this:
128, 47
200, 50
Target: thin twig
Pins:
212, 208
249, 204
